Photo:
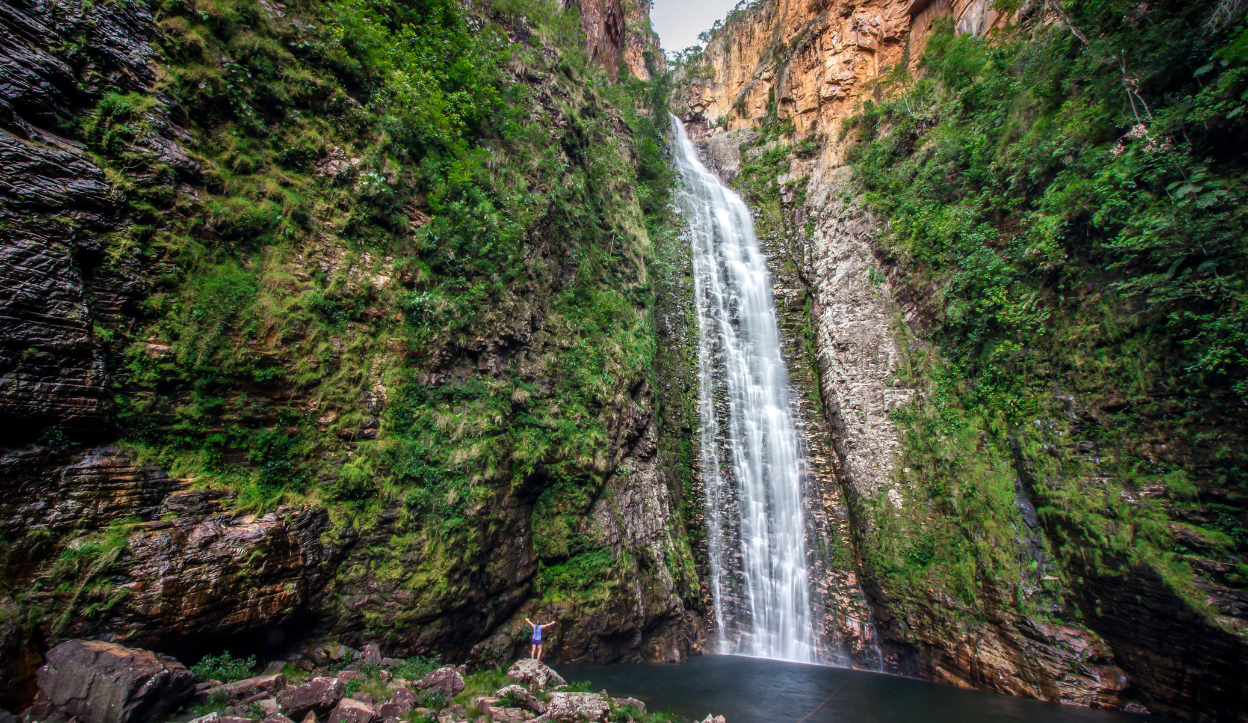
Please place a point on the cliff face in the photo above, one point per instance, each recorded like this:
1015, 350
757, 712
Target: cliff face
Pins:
1012, 601
641, 41
292, 347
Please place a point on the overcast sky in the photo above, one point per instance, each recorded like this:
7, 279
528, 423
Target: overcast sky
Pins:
678, 22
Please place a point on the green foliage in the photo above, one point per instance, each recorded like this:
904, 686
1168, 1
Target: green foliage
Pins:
224, 667
79, 576
581, 576
1071, 213
480, 683
416, 668
510, 700
403, 268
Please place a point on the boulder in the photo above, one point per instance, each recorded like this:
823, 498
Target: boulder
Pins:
99, 682
6, 717
39, 710
490, 708
522, 697
350, 710
372, 654
446, 681
576, 707
277, 718
713, 719
399, 705
270, 707
271, 683
317, 696
534, 675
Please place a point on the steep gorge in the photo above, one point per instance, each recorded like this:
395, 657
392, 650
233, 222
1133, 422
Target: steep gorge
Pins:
374, 321
1027, 513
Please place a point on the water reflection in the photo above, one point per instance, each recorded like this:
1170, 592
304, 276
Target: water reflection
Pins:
754, 690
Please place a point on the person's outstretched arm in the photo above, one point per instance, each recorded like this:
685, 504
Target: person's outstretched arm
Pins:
530, 622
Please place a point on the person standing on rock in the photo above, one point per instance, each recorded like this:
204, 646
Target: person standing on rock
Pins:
536, 651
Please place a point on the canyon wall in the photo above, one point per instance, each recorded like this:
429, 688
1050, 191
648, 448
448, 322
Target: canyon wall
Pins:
768, 102
255, 387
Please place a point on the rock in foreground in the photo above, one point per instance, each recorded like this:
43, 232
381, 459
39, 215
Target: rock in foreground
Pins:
100, 682
446, 681
576, 707
350, 710
318, 696
522, 697
269, 683
534, 675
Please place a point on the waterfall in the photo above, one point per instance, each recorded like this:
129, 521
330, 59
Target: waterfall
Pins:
752, 460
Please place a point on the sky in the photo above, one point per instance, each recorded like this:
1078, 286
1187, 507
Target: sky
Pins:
678, 22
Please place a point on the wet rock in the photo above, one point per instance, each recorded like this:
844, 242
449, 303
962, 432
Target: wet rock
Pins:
522, 697
199, 502
276, 718
713, 719
446, 681
209, 575
317, 697
352, 710
99, 682
534, 674
372, 654
51, 371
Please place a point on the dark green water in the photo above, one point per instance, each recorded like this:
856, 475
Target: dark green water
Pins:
753, 690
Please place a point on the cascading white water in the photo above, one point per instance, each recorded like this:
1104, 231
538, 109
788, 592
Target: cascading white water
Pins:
752, 470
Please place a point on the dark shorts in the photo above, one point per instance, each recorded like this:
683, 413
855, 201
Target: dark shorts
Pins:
536, 641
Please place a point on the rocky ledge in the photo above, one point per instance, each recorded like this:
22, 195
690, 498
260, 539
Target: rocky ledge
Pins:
91, 681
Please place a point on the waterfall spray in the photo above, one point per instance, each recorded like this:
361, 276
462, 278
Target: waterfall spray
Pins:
752, 463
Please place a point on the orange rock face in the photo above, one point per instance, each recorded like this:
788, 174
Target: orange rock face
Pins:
815, 57
602, 22
640, 40
818, 57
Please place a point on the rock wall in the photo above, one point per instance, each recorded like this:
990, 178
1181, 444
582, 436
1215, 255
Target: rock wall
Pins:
811, 65
603, 24
768, 99
125, 511
641, 40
